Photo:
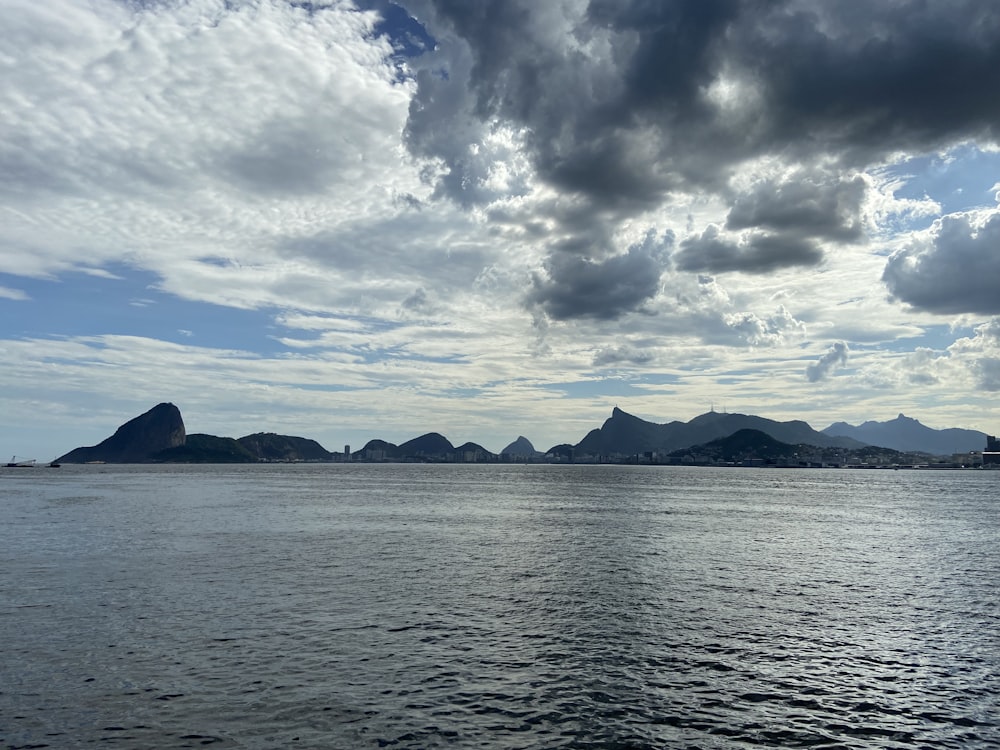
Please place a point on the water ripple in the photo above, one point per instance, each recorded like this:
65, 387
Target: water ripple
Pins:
498, 607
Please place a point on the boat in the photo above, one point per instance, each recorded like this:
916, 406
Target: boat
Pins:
20, 463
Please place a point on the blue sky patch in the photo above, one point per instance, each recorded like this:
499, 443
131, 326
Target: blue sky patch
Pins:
79, 304
960, 181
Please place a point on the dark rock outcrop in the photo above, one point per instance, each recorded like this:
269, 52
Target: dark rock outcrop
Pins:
136, 441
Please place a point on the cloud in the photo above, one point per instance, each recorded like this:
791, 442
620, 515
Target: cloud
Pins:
772, 330
701, 312
170, 117
14, 294
622, 107
987, 371
981, 355
961, 372
715, 252
624, 354
148, 99
803, 204
574, 286
417, 303
623, 101
834, 358
952, 268
920, 367
911, 81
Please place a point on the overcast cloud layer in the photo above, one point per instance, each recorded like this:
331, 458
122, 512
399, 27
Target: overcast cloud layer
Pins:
357, 221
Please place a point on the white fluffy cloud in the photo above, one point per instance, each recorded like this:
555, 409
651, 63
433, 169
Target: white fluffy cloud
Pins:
192, 130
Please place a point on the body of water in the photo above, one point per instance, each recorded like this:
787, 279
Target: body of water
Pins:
422, 606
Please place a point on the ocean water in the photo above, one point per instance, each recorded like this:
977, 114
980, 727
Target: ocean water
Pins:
433, 606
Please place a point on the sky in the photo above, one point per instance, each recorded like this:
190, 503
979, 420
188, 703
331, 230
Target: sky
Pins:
349, 221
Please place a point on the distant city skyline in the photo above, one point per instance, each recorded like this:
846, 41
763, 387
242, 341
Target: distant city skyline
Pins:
367, 220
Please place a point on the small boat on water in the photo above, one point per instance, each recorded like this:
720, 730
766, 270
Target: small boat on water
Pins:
20, 463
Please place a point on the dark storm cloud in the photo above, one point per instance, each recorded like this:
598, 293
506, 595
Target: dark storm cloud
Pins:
807, 205
957, 270
675, 50
850, 79
578, 287
835, 357
630, 102
864, 79
599, 121
758, 253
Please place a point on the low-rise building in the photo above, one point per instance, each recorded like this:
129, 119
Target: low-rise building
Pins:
991, 456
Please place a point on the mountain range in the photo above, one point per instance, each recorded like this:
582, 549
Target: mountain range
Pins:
159, 435
906, 434
624, 434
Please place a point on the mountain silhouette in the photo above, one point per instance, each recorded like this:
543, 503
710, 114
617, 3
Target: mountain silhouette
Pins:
742, 444
159, 435
909, 435
137, 440
431, 444
520, 447
206, 449
267, 446
625, 434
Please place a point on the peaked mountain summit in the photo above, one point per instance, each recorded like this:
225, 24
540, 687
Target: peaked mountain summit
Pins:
909, 435
137, 440
520, 447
